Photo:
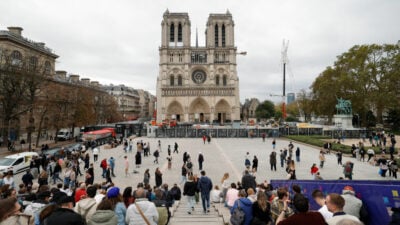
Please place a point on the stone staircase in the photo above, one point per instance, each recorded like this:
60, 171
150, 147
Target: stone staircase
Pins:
218, 214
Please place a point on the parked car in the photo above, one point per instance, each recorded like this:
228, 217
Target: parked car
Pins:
17, 162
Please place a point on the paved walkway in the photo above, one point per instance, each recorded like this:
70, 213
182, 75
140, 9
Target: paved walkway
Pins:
227, 155
222, 155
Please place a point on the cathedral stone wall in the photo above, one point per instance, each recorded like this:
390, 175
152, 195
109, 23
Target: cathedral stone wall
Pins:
197, 84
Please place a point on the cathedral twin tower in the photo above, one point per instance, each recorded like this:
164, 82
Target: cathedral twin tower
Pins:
198, 84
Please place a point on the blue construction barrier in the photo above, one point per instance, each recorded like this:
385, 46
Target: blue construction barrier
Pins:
378, 196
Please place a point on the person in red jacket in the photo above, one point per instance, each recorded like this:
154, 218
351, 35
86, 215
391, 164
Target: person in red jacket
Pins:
103, 165
80, 192
314, 170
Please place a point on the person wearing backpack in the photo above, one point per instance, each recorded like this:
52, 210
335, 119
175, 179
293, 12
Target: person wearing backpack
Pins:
348, 170
242, 210
394, 168
189, 166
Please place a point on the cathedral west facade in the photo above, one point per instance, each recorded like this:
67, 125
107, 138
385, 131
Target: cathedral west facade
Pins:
197, 84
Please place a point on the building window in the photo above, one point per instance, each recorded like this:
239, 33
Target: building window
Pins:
223, 35
224, 80
179, 80
180, 32
180, 57
171, 80
32, 63
47, 67
172, 33
216, 35
16, 58
171, 57
217, 80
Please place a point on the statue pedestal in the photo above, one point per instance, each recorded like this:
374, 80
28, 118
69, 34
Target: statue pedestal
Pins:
343, 121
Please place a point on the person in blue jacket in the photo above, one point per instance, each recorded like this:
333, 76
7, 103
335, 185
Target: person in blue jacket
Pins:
205, 185
246, 205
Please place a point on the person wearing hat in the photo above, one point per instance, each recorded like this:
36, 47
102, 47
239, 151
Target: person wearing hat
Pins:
115, 197
352, 205
62, 212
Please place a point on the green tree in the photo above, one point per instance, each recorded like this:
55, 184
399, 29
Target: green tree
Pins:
265, 110
366, 74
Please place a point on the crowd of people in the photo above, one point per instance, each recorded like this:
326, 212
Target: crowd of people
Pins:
58, 197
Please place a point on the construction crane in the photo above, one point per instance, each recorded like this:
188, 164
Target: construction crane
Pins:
285, 45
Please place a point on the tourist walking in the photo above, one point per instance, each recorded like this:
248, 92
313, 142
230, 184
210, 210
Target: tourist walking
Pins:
200, 160
158, 177
126, 164
272, 160
183, 173
339, 157
169, 159
273, 143
282, 157
111, 162
138, 159
189, 190
156, 154
348, 170
205, 185
314, 170
96, 152
176, 148
146, 177
297, 154
255, 163
321, 159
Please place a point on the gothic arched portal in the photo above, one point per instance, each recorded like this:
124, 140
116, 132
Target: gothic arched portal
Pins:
175, 111
199, 110
222, 111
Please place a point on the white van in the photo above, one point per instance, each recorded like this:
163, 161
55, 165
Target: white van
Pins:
17, 163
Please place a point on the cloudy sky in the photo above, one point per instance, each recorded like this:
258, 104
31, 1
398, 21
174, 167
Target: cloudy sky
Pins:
117, 41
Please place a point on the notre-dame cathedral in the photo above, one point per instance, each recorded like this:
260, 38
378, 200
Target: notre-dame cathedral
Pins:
198, 83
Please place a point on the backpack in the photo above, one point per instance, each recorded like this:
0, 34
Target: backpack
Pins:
189, 165
238, 215
348, 169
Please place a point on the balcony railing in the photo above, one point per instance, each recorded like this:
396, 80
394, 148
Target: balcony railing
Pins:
198, 91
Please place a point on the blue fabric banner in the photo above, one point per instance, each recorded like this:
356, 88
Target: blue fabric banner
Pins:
378, 196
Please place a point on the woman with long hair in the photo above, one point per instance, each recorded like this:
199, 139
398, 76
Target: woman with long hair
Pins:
225, 185
189, 190
146, 177
104, 214
118, 204
158, 176
292, 170
261, 210
127, 196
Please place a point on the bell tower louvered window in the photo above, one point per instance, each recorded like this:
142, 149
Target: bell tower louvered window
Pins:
216, 35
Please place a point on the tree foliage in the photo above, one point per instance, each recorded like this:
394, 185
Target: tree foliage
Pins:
365, 74
265, 110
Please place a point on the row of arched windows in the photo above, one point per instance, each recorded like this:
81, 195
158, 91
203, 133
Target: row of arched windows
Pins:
217, 80
172, 80
224, 80
16, 60
172, 33
216, 36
